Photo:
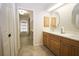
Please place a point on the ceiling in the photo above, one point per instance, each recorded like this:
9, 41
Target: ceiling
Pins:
36, 6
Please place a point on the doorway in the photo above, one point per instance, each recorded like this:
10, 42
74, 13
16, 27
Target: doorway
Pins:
26, 27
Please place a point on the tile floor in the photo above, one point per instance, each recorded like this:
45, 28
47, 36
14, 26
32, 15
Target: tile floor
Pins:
25, 40
27, 48
35, 51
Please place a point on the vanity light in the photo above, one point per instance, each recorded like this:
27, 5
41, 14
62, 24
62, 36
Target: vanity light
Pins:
22, 12
55, 6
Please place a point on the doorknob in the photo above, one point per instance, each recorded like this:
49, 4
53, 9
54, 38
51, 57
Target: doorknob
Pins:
9, 35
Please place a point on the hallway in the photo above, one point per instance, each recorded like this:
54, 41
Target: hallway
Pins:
25, 40
35, 51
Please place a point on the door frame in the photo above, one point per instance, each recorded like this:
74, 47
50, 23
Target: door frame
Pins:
31, 17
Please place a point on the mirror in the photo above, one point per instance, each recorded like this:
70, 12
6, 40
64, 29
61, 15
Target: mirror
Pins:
75, 16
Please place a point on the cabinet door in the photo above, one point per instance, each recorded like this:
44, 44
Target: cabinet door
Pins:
55, 44
55, 47
68, 50
69, 47
44, 39
48, 42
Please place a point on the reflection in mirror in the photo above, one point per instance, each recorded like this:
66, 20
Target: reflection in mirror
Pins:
55, 20
75, 16
46, 21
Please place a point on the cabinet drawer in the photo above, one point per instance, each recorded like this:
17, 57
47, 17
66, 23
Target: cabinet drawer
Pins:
55, 38
70, 42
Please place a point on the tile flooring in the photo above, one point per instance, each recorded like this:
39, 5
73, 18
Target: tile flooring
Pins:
35, 51
27, 48
25, 40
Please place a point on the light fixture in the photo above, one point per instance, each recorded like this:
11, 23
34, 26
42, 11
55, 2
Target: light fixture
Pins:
22, 12
55, 6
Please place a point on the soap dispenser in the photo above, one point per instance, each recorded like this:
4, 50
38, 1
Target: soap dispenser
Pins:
62, 30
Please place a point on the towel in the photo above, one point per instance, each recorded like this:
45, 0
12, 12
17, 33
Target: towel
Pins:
53, 22
46, 21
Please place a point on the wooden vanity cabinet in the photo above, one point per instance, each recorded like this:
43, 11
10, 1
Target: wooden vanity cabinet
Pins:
69, 47
61, 46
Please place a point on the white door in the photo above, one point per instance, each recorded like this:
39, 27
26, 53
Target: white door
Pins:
0, 33
7, 26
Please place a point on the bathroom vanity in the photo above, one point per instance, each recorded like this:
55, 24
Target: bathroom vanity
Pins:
61, 44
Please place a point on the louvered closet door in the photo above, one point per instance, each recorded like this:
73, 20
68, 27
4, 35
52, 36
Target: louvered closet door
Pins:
7, 29
11, 28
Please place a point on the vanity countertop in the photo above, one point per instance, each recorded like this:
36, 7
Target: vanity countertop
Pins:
66, 35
